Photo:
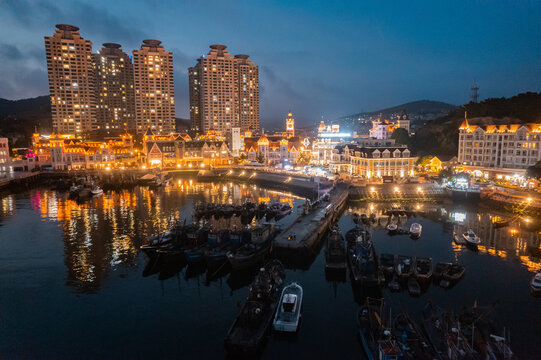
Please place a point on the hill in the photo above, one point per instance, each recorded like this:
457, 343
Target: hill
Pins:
19, 118
440, 136
417, 110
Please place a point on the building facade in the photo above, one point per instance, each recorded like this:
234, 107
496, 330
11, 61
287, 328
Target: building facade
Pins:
154, 88
115, 94
180, 150
4, 154
373, 162
68, 152
224, 92
71, 80
499, 150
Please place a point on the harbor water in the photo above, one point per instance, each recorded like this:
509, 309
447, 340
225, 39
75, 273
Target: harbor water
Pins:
74, 284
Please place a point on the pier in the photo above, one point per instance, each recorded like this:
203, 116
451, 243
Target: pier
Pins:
308, 229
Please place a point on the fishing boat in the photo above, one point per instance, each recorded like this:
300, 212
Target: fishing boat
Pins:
413, 287
370, 326
415, 230
248, 331
386, 264
454, 273
253, 252
335, 251
363, 261
440, 269
392, 228
411, 339
470, 238
288, 313
535, 284
404, 266
422, 268
394, 284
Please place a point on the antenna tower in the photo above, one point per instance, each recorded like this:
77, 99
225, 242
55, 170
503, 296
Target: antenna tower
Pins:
474, 93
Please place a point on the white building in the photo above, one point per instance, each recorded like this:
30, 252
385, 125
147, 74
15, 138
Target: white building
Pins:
499, 151
234, 141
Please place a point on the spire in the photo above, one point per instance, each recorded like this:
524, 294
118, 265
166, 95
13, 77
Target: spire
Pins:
465, 125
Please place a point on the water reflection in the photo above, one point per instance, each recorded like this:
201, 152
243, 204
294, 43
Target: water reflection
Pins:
104, 233
507, 236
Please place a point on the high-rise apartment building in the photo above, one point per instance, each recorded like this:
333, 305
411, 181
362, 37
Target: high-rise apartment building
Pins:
71, 80
248, 93
224, 92
115, 93
154, 88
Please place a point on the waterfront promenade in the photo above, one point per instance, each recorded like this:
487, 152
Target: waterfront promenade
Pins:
309, 228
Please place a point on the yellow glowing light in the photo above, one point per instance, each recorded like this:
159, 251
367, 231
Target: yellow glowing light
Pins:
242, 173
419, 188
143, 167
202, 165
529, 199
396, 188
178, 165
108, 168
372, 189
190, 165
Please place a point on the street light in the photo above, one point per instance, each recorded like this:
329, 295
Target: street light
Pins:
396, 188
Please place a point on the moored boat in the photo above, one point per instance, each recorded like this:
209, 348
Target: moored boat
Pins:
440, 269
335, 251
96, 191
288, 313
454, 273
415, 230
394, 284
404, 266
470, 238
386, 264
370, 326
422, 268
392, 228
363, 261
413, 287
411, 339
535, 284
248, 331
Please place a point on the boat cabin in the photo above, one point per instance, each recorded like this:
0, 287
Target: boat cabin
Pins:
289, 303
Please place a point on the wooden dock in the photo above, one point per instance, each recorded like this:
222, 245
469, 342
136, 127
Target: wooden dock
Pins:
308, 229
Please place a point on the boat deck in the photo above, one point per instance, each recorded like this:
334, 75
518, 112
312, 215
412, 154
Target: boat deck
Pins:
308, 229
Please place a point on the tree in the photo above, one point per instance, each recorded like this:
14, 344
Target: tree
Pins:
304, 158
401, 136
445, 173
534, 171
424, 160
260, 158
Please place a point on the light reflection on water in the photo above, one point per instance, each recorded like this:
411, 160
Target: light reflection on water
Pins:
519, 240
105, 232
96, 252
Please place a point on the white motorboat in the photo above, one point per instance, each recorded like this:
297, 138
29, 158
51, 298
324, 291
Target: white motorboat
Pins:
535, 284
288, 313
471, 238
96, 190
415, 230
392, 228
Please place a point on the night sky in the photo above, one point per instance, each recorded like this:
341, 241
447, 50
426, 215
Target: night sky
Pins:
317, 58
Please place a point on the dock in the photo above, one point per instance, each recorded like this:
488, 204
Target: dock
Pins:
307, 230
